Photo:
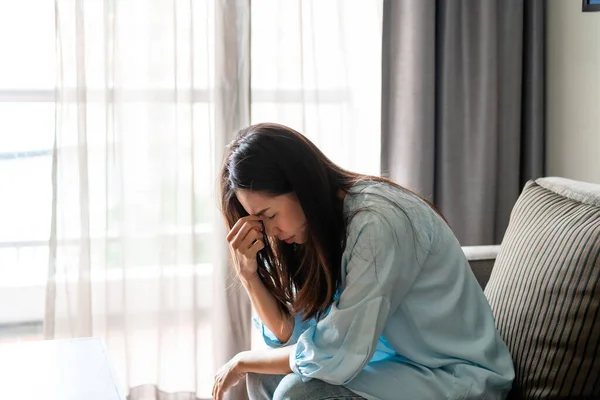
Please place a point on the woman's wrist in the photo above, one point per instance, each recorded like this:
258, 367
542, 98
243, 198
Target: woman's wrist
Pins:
240, 365
267, 361
250, 281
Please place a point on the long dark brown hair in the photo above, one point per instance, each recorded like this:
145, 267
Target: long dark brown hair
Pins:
274, 160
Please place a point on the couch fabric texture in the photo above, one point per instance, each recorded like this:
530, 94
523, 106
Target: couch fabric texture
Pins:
544, 290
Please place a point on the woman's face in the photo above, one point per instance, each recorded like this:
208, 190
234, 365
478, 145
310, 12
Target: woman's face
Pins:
282, 215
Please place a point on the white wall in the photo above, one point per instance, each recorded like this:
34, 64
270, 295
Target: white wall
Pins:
573, 91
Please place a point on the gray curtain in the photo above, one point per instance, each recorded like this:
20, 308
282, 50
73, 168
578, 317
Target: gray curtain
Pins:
462, 106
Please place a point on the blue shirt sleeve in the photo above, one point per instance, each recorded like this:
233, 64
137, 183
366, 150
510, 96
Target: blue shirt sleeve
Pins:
271, 340
378, 267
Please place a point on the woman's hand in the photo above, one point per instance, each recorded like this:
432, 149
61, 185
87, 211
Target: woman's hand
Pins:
245, 240
267, 361
228, 376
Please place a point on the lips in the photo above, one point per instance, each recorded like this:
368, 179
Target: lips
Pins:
288, 240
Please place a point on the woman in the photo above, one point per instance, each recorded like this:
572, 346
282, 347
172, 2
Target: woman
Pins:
361, 288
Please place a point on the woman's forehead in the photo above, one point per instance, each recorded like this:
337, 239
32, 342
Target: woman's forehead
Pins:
254, 201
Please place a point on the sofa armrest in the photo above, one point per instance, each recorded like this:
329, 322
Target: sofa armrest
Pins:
478, 253
481, 259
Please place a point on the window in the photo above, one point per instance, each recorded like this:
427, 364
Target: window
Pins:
312, 69
26, 135
316, 66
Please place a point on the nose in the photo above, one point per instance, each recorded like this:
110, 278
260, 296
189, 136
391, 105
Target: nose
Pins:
271, 229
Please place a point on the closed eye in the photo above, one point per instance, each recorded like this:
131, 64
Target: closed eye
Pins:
272, 216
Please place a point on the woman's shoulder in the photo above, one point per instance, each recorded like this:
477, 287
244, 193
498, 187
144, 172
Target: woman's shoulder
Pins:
372, 198
382, 207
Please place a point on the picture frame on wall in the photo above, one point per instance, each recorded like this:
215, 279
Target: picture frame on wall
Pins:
590, 5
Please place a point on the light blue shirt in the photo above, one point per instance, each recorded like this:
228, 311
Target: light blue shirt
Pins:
411, 321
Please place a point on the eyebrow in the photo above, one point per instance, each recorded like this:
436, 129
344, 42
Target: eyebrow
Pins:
258, 214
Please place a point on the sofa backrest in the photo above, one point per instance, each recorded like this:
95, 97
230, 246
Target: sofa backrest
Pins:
481, 260
544, 290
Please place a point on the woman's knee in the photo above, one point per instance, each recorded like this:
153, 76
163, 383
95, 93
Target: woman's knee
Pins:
290, 387
261, 386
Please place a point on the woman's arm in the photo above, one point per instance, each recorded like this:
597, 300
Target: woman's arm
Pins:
245, 240
380, 267
273, 361
267, 361
268, 310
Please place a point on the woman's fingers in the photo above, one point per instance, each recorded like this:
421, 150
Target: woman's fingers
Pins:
246, 236
216, 390
249, 241
239, 224
219, 392
256, 247
245, 230
244, 242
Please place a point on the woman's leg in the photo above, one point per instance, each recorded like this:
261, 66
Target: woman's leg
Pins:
291, 387
262, 387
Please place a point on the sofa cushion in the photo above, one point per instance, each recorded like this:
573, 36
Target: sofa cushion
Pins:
545, 294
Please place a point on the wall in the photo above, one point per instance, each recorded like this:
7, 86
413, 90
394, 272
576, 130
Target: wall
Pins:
573, 91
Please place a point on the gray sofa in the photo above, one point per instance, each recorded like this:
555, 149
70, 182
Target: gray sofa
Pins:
481, 259
543, 285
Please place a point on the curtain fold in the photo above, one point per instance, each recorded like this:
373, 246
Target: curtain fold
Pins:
408, 93
462, 109
148, 94
316, 71
232, 310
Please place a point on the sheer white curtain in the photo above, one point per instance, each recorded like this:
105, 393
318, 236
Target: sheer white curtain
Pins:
134, 168
148, 93
316, 66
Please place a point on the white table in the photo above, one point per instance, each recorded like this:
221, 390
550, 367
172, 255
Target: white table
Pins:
71, 369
